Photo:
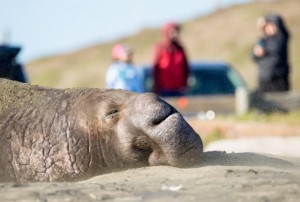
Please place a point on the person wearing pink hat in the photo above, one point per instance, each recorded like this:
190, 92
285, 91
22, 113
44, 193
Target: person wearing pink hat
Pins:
122, 74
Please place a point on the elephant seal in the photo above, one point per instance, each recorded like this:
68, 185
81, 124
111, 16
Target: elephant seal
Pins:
73, 134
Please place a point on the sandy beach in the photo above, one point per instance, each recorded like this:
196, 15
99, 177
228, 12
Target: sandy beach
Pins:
280, 146
220, 177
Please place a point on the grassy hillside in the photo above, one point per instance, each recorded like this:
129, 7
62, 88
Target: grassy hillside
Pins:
227, 34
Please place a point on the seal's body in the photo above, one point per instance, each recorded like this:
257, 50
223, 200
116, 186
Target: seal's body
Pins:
72, 134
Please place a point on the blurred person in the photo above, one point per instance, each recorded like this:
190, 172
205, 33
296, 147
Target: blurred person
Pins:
170, 68
271, 55
122, 74
9, 67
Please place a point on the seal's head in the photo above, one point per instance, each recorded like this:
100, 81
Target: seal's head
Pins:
145, 130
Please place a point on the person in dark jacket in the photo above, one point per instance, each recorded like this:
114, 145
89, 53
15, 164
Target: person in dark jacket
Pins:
9, 68
170, 68
271, 55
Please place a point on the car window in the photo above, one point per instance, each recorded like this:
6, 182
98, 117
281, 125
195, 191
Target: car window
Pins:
235, 78
148, 81
210, 82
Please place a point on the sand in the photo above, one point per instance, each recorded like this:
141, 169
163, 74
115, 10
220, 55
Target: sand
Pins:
221, 177
282, 146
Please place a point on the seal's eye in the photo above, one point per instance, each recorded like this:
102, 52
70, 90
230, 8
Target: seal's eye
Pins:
111, 115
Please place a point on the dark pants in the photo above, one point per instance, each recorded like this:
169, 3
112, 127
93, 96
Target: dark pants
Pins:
170, 93
278, 84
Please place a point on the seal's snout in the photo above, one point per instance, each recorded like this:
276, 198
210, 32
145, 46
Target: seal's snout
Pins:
173, 141
153, 109
163, 111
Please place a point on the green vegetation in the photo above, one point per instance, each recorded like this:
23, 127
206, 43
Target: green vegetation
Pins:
290, 118
227, 34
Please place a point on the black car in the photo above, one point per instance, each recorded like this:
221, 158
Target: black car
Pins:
211, 86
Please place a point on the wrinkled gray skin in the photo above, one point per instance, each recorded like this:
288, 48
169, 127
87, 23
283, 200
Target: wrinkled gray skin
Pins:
72, 134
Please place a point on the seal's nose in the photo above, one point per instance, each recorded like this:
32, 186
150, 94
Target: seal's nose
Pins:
152, 108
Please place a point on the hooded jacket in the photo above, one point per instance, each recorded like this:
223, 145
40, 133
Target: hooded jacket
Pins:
170, 69
274, 64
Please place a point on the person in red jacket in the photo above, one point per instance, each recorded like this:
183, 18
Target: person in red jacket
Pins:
170, 68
